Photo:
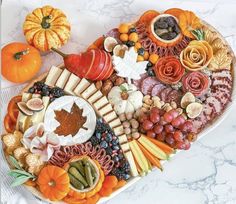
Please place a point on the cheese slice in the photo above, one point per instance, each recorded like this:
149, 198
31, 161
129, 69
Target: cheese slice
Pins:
97, 95
20, 123
115, 123
101, 102
39, 116
122, 139
125, 147
89, 91
61, 82
72, 82
106, 109
130, 159
83, 84
109, 117
53, 76
118, 130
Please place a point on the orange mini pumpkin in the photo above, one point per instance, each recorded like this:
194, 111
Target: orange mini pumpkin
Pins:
46, 27
53, 182
148, 16
20, 62
174, 12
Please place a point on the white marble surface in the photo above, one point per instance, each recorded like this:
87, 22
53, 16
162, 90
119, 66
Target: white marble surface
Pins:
206, 174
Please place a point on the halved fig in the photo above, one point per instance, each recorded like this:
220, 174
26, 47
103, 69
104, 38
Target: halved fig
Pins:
187, 99
24, 109
35, 104
194, 109
110, 43
119, 50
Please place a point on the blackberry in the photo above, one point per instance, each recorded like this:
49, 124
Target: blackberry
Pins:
38, 85
31, 90
45, 90
132, 30
130, 43
57, 92
141, 51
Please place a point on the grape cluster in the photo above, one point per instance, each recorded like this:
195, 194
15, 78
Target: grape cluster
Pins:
105, 138
169, 127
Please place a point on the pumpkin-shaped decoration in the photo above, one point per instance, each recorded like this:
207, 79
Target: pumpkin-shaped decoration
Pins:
46, 27
125, 98
86, 177
164, 30
188, 22
53, 182
20, 62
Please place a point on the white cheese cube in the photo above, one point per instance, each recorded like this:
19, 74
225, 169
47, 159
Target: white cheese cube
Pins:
118, 130
63, 79
97, 95
106, 109
83, 84
72, 82
101, 102
53, 75
89, 91
115, 123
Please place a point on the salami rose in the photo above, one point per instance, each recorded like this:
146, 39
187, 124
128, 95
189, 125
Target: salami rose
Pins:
169, 70
195, 82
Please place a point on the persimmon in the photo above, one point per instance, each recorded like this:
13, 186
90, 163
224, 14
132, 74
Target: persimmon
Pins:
12, 108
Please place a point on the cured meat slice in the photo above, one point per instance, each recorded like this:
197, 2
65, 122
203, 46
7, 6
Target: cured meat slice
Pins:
222, 88
147, 84
209, 111
222, 97
137, 83
156, 90
222, 73
222, 81
113, 33
215, 103
165, 93
174, 95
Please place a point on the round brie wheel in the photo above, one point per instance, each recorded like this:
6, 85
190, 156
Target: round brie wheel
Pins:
66, 103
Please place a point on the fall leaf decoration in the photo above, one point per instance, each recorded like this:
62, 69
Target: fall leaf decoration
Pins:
70, 122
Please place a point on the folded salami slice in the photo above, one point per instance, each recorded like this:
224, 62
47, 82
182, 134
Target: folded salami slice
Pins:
147, 84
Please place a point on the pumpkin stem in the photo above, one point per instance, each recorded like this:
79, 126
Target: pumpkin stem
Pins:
59, 52
18, 55
45, 24
52, 183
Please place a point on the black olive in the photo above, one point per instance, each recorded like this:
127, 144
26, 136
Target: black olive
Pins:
171, 21
132, 30
130, 43
149, 64
162, 25
141, 51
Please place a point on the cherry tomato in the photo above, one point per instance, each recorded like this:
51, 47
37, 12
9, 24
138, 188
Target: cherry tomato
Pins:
12, 108
9, 124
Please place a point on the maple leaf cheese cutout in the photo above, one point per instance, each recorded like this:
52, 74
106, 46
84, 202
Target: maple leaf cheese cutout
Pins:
70, 122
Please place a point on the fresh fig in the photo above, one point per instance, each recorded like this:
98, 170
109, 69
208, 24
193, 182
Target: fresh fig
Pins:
187, 99
35, 104
24, 109
194, 109
110, 43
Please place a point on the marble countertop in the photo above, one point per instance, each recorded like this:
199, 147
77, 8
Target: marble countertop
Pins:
206, 174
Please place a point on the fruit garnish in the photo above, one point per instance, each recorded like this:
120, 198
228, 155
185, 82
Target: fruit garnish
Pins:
35, 104
12, 108
24, 109
187, 98
119, 50
194, 109
110, 43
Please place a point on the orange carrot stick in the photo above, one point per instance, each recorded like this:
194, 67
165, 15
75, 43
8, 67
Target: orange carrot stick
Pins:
154, 161
166, 148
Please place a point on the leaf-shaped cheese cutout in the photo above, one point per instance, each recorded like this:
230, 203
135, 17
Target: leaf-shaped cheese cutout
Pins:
209, 36
128, 66
221, 60
217, 45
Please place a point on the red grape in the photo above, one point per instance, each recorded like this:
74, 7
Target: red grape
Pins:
174, 113
151, 133
162, 112
170, 140
180, 145
178, 121
147, 125
187, 126
154, 117
161, 137
169, 128
143, 117
168, 117
178, 135
158, 129
162, 121
187, 144
154, 110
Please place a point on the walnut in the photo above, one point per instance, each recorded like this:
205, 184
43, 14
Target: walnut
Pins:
98, 85
107, 86
12, 141
20, 154
34, 163
113, 77
119, 81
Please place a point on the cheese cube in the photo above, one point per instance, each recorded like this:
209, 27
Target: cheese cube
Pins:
63, 79
97, 95
110, 116
101, 102
115, 123
83, 84
118, 130
89, 91
106, 109
53, 75
72, 82
122, 139
125, 147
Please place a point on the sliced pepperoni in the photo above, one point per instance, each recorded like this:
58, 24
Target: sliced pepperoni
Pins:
165, 93
156, 90
147, 84
174, 95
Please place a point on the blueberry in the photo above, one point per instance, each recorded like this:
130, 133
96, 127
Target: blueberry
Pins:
108, 137
149, 64
115, 142
116, 159
104, 144
115, 147
132, 30
121, 156
130, 43
126, 176
94, 141
141, 51
31, 90
98, 135
150, 72
109, 150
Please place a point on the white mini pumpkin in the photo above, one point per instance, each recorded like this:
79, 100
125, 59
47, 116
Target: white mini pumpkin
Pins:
125, 98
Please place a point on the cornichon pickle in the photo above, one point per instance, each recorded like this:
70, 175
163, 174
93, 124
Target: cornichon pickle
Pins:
79, 166
93, 171
88, 174
76, 183
78, 175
